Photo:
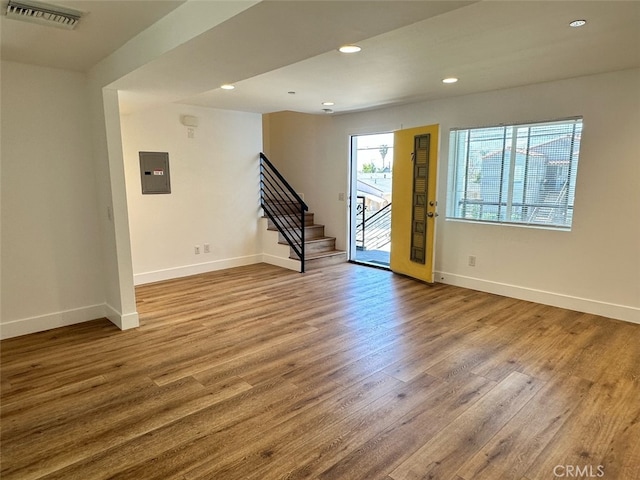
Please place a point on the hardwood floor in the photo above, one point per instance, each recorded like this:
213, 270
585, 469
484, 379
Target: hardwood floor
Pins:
342, 373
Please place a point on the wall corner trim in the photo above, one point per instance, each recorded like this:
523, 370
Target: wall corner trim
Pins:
120, 320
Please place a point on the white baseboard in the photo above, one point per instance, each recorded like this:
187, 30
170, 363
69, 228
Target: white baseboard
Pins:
40, 323
187, 270
281, 262
122, 321
611, 310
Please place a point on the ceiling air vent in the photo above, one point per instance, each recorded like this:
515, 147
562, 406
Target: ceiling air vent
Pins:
43, 13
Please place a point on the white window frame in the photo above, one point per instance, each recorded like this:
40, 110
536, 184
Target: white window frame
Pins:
461, 169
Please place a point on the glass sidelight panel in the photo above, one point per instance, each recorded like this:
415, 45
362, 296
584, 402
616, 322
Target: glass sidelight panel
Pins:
419, 206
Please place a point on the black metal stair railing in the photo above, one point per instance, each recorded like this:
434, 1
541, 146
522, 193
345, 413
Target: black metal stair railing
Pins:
283, 206
375, 230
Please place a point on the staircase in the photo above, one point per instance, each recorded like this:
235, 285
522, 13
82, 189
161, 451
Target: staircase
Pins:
319, 250
288, 214
553, 205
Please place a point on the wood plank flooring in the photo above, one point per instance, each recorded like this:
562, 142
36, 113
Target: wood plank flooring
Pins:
342, 373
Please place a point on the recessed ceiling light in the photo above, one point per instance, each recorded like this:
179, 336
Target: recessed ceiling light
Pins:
578, 23
449, 80
350, 49
227, 86
328, 104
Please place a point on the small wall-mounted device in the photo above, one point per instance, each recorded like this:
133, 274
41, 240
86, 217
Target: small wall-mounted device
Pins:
154, 172
189, 120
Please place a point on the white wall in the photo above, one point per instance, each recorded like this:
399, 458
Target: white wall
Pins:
84, 112
310, 153
214, 195
187, 22
51, 243
594, 268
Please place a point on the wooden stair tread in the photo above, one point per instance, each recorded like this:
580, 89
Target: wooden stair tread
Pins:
311, 240
330, 253
318, 239
325, 259
314, 225
319, 249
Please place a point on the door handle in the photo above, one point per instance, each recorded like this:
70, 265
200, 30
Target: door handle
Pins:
431, 214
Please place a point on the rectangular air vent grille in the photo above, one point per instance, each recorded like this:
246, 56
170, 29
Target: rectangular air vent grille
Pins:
43, 13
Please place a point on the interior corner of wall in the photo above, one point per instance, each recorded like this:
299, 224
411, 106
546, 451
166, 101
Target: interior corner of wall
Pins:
266, 134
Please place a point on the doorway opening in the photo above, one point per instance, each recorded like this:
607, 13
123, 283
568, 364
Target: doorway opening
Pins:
371, 184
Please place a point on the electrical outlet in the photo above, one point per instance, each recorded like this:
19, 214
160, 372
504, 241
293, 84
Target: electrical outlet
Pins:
341, 197
196, 249
207, 248
472, 260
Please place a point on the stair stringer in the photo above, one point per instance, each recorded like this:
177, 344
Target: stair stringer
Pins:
273, 252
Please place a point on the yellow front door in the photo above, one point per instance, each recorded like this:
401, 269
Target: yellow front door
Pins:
414, 201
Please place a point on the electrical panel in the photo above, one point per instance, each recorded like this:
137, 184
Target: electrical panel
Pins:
154, 172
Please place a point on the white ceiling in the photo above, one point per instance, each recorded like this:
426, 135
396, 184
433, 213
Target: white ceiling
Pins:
279, 46
487, 45
105, 26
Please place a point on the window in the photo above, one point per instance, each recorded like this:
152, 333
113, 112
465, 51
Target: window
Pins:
521, 174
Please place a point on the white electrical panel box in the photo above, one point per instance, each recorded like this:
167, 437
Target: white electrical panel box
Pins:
154, 172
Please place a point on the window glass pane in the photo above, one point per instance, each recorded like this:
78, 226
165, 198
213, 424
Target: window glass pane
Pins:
522, 174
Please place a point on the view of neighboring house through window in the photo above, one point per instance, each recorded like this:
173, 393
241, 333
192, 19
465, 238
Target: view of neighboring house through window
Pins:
522, 174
